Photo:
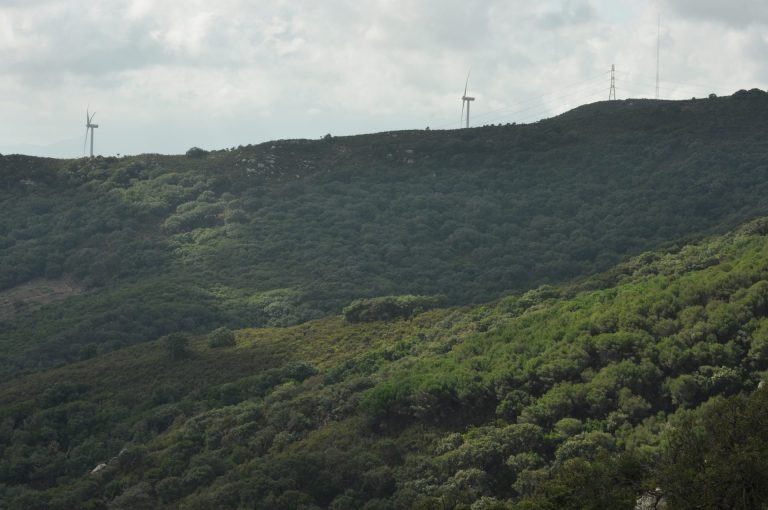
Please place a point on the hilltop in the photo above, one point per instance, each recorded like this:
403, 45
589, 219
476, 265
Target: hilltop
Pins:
280, 233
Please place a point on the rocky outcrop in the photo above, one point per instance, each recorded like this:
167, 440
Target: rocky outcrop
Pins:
651, 500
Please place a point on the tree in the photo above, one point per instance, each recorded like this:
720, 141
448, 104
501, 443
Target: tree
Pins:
610, 481
177, 346
137, 497
389, 307
221, 337
196, 152
717, 457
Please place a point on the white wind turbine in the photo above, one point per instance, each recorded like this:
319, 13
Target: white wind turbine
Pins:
89, 125
465, 99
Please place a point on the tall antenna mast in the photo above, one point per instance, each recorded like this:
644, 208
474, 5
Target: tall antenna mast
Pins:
658, 45
612, 92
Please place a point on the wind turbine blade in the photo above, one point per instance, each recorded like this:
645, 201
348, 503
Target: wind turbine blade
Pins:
85, 141
461, 120
467, 83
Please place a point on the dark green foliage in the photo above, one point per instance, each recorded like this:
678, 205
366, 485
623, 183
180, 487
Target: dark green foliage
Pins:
717, 457
196, 152
170, 489
176, 346
221, 337
602, 482
388, 307
288, 231
584, 395
136, 497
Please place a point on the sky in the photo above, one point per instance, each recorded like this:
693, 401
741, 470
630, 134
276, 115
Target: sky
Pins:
167, 75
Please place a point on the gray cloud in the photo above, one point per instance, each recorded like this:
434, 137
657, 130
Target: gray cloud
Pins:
734, 13
570, 12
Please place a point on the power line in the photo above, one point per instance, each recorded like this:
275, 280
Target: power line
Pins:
543, 107
539, 105
535, 99
540, 99
693, 85
584, 100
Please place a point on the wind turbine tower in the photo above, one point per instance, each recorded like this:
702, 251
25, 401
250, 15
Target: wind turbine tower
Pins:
89, 125
466, 100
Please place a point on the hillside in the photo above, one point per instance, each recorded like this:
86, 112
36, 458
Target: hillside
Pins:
579, 396
279, 233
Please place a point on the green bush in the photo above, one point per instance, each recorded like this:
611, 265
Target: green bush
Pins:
176, 345
388, 307
221, 337
196, 152
716, 456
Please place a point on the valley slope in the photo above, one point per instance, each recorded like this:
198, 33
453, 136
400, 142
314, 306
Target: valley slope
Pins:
283, 232
578, 396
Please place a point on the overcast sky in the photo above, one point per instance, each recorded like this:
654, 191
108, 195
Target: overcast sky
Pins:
166, 75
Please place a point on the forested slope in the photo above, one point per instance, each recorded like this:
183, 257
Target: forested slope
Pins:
579, 396
282, 232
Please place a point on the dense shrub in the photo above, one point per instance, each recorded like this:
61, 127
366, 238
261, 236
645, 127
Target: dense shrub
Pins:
388, 307
221, 337
176, 346
567, 397
196, 152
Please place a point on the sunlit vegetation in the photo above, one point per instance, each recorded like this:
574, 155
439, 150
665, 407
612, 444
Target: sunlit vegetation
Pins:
288, 231
586, 395
296, 324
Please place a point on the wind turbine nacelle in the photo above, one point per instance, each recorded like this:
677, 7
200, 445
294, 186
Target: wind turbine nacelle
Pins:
93, 125
467, 98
